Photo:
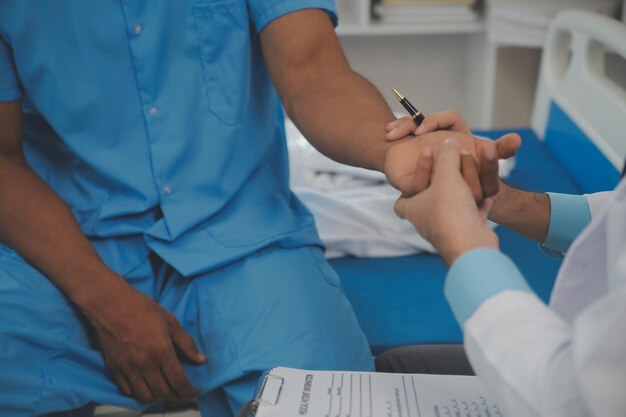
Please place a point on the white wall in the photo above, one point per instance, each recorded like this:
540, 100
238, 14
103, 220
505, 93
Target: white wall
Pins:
429, 69
492, 87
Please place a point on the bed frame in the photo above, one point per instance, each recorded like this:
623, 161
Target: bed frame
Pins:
577, 144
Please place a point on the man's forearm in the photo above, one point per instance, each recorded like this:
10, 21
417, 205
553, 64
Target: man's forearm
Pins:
344, 117
39, 226
525, 212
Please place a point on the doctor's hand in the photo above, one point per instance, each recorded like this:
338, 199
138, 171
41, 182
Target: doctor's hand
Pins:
480, 174
139, 341
446, 213
450, 120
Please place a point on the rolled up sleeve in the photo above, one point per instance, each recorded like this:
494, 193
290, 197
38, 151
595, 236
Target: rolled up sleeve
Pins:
9, 86
264, 11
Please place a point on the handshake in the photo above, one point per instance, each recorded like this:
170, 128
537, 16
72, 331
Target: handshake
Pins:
448, 179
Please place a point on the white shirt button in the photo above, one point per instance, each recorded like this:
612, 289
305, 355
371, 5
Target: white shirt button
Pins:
137, 28
153, 111
167, 189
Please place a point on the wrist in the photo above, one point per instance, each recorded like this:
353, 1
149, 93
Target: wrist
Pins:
97, 299
452, 254
464, 241
382, 164
525, 212
398, 162
501, 203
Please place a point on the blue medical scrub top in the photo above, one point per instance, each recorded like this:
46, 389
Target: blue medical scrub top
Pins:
157, 123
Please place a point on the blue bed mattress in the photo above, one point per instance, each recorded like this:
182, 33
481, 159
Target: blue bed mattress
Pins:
399, 301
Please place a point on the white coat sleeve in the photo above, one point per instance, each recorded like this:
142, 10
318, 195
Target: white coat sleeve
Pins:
523, 352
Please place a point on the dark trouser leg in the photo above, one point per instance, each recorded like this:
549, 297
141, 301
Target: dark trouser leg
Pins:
425, 359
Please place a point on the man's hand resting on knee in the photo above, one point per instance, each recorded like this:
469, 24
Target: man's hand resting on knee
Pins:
140, 340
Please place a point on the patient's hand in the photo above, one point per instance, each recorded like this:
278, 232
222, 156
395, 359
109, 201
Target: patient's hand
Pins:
400, 160
143, 346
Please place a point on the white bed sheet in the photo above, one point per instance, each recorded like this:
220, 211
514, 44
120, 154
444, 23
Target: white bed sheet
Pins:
353, 207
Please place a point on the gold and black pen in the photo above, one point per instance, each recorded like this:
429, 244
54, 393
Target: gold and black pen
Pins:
416, 115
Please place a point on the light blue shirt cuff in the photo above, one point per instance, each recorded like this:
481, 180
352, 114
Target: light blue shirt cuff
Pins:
569, 214
477, 275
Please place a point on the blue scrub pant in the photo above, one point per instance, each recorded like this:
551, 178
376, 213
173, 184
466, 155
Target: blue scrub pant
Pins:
279, 307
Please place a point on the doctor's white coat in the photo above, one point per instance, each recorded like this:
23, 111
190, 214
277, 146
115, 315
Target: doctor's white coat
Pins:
568, 359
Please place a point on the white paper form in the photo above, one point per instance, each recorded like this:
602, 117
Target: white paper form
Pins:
293, 392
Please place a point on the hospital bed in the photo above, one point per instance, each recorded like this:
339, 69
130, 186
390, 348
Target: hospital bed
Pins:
576, 144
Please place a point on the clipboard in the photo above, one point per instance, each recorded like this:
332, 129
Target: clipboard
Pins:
268, 394
288, 392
